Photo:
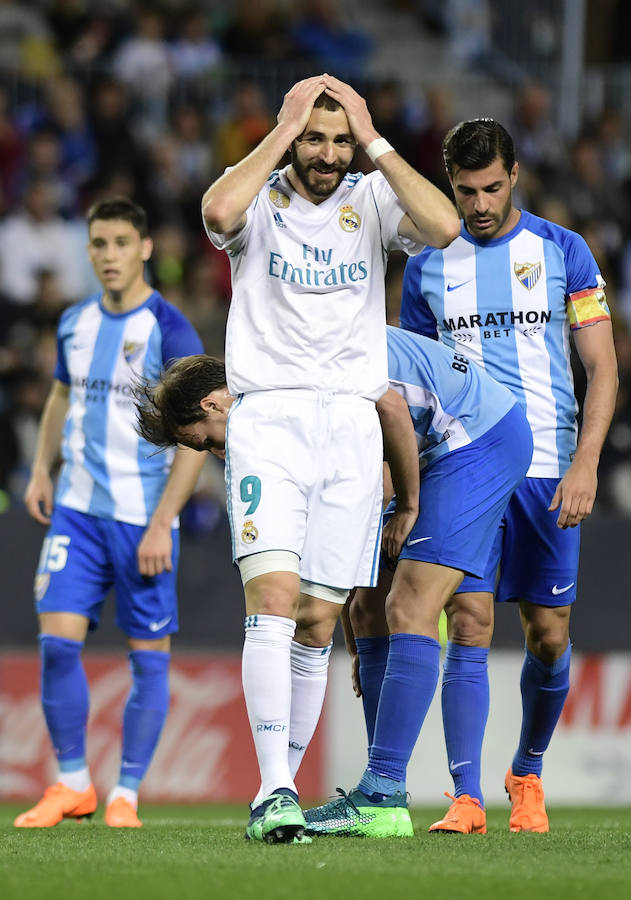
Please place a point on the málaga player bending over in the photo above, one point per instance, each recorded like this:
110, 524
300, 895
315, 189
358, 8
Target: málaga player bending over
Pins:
306, 358
475, 447
114, 518
506, 294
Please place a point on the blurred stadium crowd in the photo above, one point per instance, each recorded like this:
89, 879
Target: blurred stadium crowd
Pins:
154, 99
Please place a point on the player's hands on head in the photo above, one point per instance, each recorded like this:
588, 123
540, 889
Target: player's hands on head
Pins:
575, 495
298, 103
355, 107
38, 497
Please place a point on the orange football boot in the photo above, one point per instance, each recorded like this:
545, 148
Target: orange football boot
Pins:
528, 808
120, 813
59, 802
466, 815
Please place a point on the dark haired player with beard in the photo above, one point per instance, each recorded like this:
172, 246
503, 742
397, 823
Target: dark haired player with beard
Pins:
306, 359
507, 293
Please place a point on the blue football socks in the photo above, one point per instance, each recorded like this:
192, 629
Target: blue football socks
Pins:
373, 658
465, 705
65, 698
408, 687
543, 692
145, 713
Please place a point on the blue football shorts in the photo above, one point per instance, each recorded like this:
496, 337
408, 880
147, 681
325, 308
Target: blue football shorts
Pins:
464, 494
538, 561
84, 556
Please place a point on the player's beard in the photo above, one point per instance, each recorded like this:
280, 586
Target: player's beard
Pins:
310, 179
498, 219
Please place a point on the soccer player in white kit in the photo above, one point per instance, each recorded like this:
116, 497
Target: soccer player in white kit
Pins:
306, 359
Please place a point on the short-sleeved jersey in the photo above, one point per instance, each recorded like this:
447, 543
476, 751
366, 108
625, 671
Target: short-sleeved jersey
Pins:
308, 301
508, 304
108, 469
452, 402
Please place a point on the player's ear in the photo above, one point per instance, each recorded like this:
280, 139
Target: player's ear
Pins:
514, 174
147, 249
208, 403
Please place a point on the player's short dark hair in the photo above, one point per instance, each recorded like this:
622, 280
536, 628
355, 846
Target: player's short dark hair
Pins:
325, 101
164, 407
120, 208
475, 144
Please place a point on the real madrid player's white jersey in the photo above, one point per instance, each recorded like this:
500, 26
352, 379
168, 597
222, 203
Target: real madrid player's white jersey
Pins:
308, 305
108, 469
539, 281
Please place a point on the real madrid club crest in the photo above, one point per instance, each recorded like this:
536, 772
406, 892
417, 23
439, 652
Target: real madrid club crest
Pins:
528, 273
250, 532
349, 219
278, 199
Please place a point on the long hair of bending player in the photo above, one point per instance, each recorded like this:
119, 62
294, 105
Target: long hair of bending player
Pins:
164, 407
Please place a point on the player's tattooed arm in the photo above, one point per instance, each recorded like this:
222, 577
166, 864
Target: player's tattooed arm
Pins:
401, 452
225, 202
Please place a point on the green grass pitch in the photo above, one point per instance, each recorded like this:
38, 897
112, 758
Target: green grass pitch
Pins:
190, 852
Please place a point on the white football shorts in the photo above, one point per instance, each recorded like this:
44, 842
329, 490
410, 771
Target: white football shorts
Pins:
304, 474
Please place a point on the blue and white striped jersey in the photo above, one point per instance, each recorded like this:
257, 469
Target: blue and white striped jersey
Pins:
508, 304
108, 469
452, 402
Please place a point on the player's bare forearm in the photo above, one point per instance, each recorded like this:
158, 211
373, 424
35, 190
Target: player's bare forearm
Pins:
596, 349
51, 427
225, 202
155, 551
38, 496
187, 464
431, 216
576, 492
400, 449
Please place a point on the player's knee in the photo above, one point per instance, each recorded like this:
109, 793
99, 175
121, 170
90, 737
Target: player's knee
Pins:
273, 595
469, 625
404, 612
548, 645
314, 634
315, 623
547, 631
367, 614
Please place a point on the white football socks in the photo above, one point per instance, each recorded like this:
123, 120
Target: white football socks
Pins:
309, 669
79, 780
266, 674
127, 793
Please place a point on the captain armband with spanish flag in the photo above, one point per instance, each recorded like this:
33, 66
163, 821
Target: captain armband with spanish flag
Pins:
588, 306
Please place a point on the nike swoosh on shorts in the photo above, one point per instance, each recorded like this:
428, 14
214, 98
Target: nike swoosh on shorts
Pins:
557, 590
